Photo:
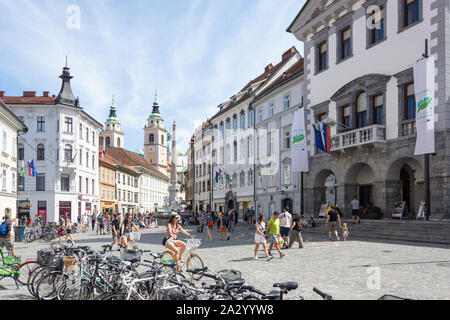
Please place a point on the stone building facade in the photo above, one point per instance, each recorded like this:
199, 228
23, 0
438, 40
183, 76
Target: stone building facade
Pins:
358, 71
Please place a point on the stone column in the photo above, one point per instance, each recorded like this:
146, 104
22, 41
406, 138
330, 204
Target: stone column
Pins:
345, 193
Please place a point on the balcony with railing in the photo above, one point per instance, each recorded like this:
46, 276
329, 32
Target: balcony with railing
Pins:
373, 135
408, 128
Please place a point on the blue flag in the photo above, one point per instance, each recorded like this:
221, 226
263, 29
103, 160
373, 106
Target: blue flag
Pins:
319, 138
33, 169
217, 177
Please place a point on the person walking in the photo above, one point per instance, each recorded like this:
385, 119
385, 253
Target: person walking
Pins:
355, 210
231, 221
285, 227
61, 230
296, 234
69, 231
224, 226
209, 224
260, 237
219, 221
172, 242
94, 218
332, 222
126, 229
274, 226
115, 230
7, 234
251, 216
345, 232
101, 224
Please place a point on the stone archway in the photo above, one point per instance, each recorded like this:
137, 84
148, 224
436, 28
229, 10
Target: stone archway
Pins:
405, 182
322, 189
360, 183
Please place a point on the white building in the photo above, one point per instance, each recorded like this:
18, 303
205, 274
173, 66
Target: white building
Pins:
359, 58
62, 140
203, 171
277, 187
234, 142
10, 128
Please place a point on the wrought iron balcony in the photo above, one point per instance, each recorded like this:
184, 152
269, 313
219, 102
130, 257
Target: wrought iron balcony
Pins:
375, 134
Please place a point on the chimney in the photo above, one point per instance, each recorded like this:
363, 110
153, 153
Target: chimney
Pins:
2, 94
269, 67
46, 94
29, 94
288, 53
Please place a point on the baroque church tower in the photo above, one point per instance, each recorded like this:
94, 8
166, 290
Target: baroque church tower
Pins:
112, 135
155, 139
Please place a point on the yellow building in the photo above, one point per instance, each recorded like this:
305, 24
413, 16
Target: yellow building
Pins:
107, 184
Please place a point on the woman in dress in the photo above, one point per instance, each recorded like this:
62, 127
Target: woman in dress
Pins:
260, 237
172, 242
125, 230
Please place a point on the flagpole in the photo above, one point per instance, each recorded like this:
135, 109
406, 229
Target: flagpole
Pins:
427, 164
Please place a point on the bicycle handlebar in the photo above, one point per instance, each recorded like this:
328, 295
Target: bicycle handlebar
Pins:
197, 270
324, 295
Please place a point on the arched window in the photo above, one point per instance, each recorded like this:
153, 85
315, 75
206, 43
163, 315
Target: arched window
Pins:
68, 153
118, 142
108, 142
40, 152
21, 152
361, 110
151, 138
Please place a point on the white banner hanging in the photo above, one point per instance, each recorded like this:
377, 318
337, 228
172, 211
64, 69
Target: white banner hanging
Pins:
424, 85
299, 151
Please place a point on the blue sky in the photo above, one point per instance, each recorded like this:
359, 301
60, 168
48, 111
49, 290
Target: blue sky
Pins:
196, 53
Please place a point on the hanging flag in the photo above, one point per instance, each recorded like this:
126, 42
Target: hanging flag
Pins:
326, 133
22, 169
30, 173
318, 137
33, 169
299, 153
424, 85
217, 177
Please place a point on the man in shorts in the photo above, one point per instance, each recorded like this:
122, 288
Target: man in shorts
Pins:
355, 210
285, 227
115, 229
332, 222
7, 240
274, 226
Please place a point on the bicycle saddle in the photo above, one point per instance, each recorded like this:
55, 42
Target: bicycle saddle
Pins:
286, 286
273, 295
236, 283
84, 248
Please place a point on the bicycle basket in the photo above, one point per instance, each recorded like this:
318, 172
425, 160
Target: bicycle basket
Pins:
70, 264
44, 257
56, 263
193, 244
130, 255
230, 275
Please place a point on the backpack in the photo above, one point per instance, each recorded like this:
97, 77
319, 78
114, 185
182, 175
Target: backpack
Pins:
3, 229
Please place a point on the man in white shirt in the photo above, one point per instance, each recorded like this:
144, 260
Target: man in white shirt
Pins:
355, 209
285, 227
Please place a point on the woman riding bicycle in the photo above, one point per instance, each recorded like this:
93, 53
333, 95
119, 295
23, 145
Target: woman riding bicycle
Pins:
126, 229
172, 242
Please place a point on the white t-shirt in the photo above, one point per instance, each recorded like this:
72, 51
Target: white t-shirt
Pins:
355, 204
85, 219
285, 220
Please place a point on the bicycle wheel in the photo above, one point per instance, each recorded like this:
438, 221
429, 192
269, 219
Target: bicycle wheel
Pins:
195, 262
36, 280
46, 288
33, 275
25, 270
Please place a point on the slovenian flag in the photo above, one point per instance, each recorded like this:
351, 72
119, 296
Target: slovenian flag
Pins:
322, 133
326, 132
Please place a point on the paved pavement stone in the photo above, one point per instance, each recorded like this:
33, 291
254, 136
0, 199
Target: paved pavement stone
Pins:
345, 270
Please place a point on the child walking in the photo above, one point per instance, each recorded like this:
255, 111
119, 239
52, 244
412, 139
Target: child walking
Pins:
345, 232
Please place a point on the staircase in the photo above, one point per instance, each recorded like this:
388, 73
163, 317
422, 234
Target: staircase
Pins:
406, 230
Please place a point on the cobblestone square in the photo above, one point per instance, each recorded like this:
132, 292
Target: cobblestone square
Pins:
359, 269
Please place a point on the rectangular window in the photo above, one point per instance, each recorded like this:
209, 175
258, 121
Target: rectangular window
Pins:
242, 121
93, 186
69, 125
93, 161
81, 131
260, 114
410, 102
250, 118
87, 159
322, 56
346, 43
411, 12
57, 126
5, 143
287, 102
40, 182
4, 180
40, 124
87, 185
378, 106
81, 157
250, 178
377, 33
346, 117
287, 139
80, 184
235, 123
21, 183
93, 139
271, 109
13, 182
65, 182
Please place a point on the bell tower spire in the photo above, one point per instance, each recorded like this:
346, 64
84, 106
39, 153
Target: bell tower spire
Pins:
66, 95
